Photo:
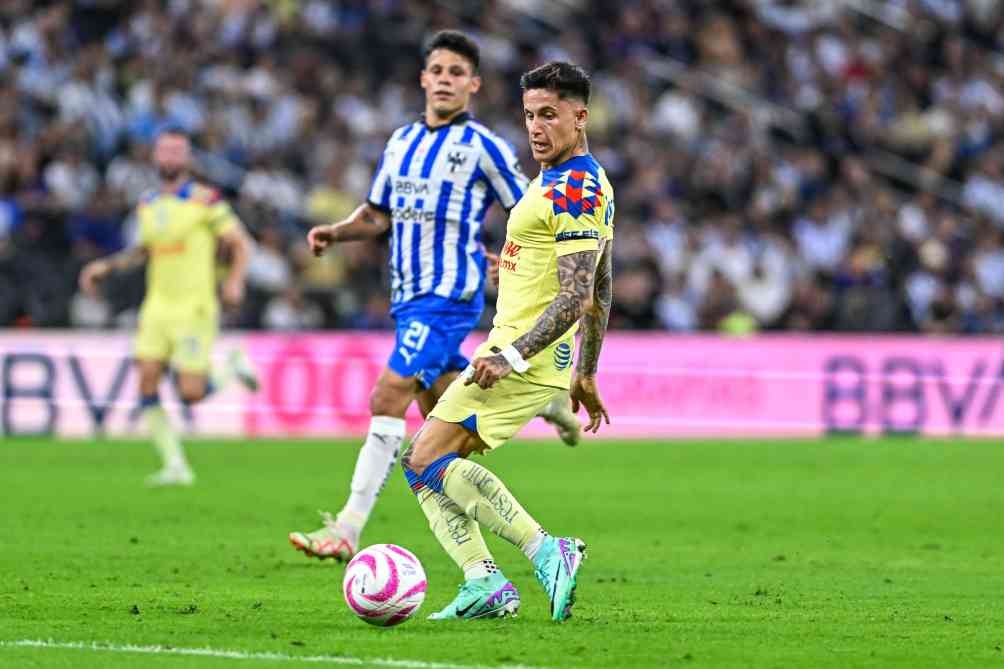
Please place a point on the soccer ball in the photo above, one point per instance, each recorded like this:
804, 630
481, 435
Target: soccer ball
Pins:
384, 585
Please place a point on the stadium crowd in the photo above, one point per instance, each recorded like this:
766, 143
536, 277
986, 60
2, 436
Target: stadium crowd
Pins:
779, 164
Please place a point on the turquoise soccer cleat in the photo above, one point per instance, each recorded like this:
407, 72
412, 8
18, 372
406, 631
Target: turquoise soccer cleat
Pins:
493, 596
555, 566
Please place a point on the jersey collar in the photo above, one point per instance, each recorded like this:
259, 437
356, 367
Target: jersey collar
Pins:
462, 117
582, 162
183, 192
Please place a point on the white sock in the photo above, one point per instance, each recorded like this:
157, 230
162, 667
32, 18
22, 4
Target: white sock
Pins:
376, 458
164, 439
220, 377
532, 546
480, 569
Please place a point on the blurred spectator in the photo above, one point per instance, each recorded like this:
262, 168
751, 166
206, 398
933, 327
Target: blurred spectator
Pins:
268, 268
289, 311
778, 164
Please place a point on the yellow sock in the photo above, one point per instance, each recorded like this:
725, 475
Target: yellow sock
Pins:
485, 498
459, 536
164, 437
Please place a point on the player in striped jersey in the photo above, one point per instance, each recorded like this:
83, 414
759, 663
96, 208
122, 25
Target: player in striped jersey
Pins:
432, 188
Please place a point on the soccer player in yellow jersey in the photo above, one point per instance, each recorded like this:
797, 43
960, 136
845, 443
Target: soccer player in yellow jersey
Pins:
180, 226
555, 277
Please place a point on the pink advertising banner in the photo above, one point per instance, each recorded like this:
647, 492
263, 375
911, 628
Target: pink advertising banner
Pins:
82, 384
655, 385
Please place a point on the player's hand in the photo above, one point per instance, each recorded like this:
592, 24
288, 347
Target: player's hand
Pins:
92, 273
584, 392
320, 238
493, 268
233, 293
486, 371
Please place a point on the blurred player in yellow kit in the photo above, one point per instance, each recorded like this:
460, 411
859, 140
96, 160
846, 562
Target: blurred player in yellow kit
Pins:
555, 275
180, 227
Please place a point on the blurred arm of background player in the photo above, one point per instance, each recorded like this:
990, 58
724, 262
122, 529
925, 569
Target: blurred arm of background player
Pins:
366, 222
96, 270
238, 248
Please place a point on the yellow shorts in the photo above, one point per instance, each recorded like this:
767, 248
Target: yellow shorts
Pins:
496, 414
186, 340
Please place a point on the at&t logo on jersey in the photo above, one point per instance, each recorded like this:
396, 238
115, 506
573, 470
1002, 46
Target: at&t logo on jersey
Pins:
562, 356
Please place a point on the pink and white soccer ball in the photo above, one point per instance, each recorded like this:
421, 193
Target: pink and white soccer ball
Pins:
384, 585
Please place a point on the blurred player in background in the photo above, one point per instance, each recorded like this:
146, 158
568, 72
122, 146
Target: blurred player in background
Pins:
432, 188
180, 226
555, 274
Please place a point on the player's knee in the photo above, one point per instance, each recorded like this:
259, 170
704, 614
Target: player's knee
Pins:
192, 390
149, 378
390, 399
191, 396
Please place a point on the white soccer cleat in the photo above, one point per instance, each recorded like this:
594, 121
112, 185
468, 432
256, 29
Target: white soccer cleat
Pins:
558, 413
335, 540
171, 476
243, 369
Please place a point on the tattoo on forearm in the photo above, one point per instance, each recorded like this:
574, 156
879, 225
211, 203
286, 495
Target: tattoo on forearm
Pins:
594, 321
575, 285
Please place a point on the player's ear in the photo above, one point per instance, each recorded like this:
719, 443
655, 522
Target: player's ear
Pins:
581, 116
475, 84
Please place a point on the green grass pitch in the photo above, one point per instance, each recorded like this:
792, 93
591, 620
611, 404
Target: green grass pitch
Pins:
829, 553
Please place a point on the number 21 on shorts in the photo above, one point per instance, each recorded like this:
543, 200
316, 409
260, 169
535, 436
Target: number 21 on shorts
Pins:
414, 338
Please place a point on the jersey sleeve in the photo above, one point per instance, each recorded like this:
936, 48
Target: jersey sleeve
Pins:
380, 187
501, 167
221, 218
576, 217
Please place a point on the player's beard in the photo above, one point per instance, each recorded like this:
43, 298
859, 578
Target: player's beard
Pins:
170, 174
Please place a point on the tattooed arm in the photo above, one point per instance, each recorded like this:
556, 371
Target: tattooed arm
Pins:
594, 321
96, 270
575, 297
594, 327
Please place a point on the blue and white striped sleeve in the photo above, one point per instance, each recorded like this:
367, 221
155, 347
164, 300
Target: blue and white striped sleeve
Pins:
380, 188
501, 166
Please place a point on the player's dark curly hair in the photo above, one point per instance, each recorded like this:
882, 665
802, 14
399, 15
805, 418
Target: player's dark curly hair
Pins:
568, 80
457, 42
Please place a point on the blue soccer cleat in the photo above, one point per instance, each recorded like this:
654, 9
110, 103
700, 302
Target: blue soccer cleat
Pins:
556, 564
493, 596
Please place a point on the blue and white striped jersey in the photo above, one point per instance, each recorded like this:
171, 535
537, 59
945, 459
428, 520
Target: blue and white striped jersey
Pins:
436, 185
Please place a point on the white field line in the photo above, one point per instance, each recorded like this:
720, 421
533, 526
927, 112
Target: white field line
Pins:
347, 660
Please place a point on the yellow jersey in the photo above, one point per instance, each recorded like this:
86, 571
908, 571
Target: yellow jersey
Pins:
179, 231
567, 209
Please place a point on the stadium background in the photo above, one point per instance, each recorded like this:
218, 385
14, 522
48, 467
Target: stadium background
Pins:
781, 168
825, 173
779, 165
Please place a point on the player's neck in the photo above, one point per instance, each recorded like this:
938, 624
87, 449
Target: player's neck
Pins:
433, 121
580, 148
175, 184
